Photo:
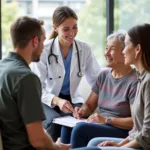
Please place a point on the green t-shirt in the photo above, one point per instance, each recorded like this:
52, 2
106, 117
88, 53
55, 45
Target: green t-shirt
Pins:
20, 101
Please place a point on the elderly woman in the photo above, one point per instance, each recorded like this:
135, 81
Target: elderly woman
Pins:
136, 52
113, 93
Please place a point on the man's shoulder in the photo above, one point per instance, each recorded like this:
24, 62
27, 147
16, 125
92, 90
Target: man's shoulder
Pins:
14, 73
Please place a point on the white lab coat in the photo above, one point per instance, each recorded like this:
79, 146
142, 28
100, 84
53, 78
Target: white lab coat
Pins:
46, 71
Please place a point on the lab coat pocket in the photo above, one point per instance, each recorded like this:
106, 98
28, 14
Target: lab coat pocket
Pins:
54, 77
54, 74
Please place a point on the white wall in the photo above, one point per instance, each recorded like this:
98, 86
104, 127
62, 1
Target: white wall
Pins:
85, 88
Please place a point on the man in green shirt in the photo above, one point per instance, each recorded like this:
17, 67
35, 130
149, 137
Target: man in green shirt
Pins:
21, 112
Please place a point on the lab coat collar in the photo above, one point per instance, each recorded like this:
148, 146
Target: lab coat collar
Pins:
74, 60
56, 47
75, 48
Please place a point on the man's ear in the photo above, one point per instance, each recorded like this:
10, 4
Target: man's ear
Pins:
35, 41
137, 50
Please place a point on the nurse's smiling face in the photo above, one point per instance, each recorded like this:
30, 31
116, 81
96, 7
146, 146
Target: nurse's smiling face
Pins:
67, 31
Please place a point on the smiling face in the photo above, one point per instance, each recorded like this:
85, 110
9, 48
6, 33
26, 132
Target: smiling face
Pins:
113, 53
129, 51
67, 31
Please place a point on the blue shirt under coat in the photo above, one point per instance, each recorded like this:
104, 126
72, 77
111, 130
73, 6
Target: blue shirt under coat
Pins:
66, 83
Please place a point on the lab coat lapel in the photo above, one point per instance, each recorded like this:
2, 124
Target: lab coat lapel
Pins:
57, 52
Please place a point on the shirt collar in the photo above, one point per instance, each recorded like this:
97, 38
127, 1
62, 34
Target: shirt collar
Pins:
141, 75
18, 57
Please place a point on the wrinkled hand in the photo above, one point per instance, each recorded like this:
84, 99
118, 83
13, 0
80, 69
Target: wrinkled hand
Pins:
61, 146
65, 106
108, 143
78, 113
96, 118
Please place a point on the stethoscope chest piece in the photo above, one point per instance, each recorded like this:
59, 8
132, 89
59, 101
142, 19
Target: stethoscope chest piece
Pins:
80, 74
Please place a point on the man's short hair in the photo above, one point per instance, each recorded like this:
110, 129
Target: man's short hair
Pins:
24, 29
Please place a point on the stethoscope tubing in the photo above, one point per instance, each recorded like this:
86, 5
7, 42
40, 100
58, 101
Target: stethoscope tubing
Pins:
80, 74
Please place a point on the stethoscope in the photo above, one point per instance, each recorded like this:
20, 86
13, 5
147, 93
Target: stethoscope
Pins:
80, 73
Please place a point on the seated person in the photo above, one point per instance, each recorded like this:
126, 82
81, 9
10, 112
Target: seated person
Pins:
62, 65
113, 93
136, 52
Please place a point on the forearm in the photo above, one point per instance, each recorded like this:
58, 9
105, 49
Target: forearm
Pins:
87, 110
123, 142
55, 100
91, 104
38, 138
47, 98
131, 144
46, 143
123, 123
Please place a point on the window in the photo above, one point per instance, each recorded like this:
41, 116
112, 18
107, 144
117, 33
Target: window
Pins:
131, 12
91, 13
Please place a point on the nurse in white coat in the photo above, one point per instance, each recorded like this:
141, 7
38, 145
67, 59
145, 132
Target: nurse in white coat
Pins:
62, 65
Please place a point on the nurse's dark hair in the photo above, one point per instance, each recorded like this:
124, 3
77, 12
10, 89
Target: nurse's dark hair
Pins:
24, 29
60, 15
118, 36
140, 34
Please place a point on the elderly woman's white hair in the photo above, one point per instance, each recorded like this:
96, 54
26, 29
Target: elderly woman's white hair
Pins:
118, 36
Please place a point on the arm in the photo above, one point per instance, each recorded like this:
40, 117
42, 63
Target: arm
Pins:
91, 103
140, 135
142, 114
112, 143
40, 140
123, 123
131, 144
87, 108
26, 100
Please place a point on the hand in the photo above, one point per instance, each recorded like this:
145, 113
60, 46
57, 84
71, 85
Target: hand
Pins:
65, 106
61, 146
78, 112
108, 143
96, 118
